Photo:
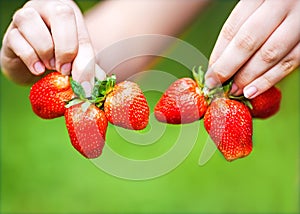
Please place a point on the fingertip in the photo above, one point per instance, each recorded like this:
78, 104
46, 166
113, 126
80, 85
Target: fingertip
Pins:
87, 86
65, 69
234, 89
250, 92
211, 79
210, 82
99, 73
52, 63
39, 68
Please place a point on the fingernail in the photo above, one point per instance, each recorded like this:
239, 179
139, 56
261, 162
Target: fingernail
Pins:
250, 92
39, 67
210, 82
87, 88
65, 69
52, 63
234, 88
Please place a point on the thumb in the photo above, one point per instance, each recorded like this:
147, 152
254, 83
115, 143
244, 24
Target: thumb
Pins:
83, 67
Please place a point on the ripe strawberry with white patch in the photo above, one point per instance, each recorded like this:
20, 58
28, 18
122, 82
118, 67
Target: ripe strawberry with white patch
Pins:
127, 107
49, 95
87, 128
87, 117
229, 124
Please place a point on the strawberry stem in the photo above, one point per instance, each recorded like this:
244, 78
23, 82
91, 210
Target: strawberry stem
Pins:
242, 99
77, 89
227, 87
219, 91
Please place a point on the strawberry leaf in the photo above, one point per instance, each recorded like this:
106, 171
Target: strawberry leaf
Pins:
85, 106
227, 86
198, 75
110, 84
96, 92
101, 89
248, 103
242, 99
99, 99
73, 102
77, 89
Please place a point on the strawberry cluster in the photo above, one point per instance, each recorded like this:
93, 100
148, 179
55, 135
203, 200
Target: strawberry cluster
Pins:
87, 118
227, 119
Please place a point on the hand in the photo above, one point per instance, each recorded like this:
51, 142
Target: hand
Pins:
48, 35
259, 45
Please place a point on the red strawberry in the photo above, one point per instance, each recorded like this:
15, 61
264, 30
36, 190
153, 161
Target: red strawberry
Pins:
266, 104
183, 102
126, 106
86, 128
229, 124
49, 95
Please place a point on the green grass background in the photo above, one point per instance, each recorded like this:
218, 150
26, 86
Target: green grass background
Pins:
42, 173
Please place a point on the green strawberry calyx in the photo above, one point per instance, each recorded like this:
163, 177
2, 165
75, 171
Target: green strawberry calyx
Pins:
227, 88
217, 92
209, 94
100, 90
198, 75
224, 91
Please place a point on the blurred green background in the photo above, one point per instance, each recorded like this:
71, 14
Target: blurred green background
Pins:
42, 173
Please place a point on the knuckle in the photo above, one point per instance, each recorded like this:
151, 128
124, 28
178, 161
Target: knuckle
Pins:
28, 55
221, 75
29, 4
241, 79
228, 32
83, 40
287, 64
246, 42
23, 14
11, 36
66, 54
63, 10
270, 54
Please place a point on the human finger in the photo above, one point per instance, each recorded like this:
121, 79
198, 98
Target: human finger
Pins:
84, 63
36, 33
21, 48
238, 16
99, 73
275, 74
61, 20
272, 51
244, 44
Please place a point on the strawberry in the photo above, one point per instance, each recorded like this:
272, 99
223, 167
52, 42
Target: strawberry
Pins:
87, 117
126, 106
87, 128
49, 95
183, 102
266, 104
229, 124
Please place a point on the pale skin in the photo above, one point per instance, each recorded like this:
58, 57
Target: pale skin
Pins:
258, 45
